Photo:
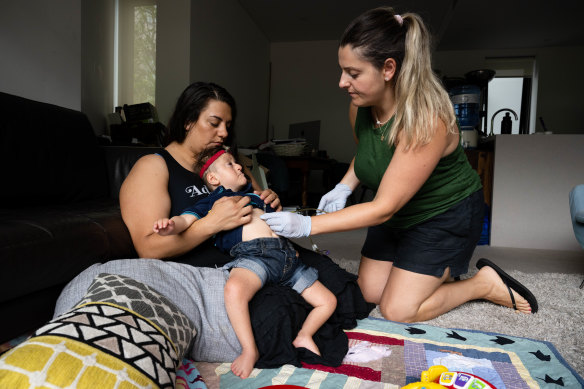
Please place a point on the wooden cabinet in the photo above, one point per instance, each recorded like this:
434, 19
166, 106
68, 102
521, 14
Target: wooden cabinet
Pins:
482, 161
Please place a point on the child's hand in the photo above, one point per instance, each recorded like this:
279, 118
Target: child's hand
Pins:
164, 226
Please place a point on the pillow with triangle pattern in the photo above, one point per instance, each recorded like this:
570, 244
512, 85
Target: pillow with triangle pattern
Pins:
123, 333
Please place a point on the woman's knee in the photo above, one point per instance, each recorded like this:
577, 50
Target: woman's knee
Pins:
373, 278
370, 293
397, 312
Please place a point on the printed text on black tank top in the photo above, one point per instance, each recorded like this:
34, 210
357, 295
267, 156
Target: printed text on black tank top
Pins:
194, 191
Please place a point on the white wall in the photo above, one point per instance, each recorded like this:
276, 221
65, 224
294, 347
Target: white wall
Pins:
560, 99
97, 58
305, 87
173, 52
533, 176
40, 44
229, 49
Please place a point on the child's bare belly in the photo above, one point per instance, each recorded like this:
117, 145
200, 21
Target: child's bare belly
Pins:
257, 228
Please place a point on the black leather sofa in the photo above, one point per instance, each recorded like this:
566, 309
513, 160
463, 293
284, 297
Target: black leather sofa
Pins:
59, 210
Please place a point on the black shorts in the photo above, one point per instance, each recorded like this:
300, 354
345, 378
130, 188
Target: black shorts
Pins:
446, 240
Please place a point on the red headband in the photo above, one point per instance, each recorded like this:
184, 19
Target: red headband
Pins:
210, 161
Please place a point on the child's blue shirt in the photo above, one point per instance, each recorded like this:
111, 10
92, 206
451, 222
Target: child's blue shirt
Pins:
225, 240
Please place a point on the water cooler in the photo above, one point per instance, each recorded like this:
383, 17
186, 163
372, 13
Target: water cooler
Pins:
481, 78
466, 100
469, 96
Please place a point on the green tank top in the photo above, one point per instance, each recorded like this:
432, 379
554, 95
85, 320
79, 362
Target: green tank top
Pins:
452, 180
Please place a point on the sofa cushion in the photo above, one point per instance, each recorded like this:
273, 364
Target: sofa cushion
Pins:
41, 247
48, 155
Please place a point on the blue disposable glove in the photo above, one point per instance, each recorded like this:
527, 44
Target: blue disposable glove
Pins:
335, 199
288, 224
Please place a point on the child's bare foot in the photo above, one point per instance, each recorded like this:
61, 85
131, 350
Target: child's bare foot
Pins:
243, 364
306, 342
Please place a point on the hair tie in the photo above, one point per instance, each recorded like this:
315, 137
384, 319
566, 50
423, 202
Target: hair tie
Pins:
399, 19
210, 161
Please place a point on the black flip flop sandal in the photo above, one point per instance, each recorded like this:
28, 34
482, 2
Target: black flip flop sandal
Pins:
511, 283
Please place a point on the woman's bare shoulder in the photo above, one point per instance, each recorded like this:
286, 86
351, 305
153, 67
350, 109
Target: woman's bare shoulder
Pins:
449, 139
150, 163
148, 169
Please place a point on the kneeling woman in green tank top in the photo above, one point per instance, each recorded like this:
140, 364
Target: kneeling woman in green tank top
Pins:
427, 214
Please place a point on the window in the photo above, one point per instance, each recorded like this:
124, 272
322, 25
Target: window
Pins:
514, 87
135, 62
504, 92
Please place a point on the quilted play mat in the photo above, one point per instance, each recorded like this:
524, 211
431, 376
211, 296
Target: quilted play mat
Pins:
384, 354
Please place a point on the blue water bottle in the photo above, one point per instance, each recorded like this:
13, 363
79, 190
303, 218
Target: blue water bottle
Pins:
466, 101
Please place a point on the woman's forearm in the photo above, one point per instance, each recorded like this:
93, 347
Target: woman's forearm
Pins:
187, 236
156, 246
350, 178
350, 218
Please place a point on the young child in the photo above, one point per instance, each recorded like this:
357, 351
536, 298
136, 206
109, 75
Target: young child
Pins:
260, 257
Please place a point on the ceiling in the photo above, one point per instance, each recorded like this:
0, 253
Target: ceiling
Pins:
455, 25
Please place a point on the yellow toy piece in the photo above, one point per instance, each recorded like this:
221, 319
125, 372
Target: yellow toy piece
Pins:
423, 385
428, 378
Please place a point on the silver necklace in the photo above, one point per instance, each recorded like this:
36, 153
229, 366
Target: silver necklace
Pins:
377, 119
383, 126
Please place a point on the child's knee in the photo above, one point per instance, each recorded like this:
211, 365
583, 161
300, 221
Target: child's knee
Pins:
331, 300
328, 299
233, 287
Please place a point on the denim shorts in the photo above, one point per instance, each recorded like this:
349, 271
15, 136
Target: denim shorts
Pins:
274, 261
444, 241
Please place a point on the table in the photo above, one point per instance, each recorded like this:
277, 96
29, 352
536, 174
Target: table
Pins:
306, 164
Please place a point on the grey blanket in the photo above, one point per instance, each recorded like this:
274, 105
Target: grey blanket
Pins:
198, 292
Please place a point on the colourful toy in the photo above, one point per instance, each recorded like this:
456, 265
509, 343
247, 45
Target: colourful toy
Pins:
438, 377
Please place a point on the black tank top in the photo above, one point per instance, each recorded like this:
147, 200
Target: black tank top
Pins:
185, 187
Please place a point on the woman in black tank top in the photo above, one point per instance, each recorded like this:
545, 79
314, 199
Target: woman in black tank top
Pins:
162, 185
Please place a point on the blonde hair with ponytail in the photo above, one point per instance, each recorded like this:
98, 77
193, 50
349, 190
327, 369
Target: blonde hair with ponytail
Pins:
420, 98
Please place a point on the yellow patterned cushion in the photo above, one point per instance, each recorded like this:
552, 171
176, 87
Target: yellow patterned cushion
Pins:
54, 362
